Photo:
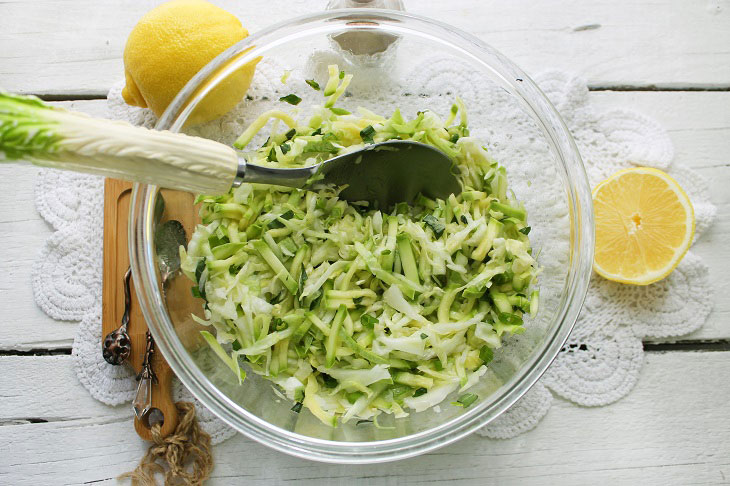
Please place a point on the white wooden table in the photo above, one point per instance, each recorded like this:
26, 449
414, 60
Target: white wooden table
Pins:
668, 58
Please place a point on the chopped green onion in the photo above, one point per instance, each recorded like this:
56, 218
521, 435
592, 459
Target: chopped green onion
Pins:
367, 133
465, 400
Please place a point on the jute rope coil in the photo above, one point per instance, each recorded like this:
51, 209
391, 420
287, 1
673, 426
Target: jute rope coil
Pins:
184, 457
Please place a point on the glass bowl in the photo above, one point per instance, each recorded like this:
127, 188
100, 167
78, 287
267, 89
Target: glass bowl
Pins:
415, 63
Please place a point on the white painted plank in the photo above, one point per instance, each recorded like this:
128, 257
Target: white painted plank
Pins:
46, 388
52, 46
22, 234
699, 123
672, 429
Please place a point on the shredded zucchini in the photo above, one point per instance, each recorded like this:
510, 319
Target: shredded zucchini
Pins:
355, 312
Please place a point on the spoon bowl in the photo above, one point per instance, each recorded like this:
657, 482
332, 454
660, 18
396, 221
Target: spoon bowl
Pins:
381, 175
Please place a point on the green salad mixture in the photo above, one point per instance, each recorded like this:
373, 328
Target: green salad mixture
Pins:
353, 311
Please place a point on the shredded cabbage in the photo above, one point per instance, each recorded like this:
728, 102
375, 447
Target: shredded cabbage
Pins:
355, 312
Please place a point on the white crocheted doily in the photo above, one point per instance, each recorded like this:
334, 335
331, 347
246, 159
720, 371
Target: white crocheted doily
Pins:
603, 356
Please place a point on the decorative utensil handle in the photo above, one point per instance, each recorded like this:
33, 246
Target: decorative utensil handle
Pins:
154, 403
53, 137
127, 297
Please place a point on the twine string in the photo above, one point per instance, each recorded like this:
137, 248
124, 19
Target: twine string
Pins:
184, 457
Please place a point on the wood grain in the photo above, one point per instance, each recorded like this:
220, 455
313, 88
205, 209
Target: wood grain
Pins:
665, 43
671, 429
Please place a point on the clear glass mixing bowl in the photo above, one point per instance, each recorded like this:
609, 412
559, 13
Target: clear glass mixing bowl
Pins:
414, 63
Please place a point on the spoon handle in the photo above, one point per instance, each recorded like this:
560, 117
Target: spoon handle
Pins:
54, 137
294, 177
154, 402
127, 298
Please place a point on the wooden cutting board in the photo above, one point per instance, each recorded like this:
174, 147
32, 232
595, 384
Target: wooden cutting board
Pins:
180, 302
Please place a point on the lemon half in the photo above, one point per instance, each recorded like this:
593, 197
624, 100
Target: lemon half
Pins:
644, 226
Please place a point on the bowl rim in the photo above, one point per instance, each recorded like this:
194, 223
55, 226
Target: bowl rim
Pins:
581, 250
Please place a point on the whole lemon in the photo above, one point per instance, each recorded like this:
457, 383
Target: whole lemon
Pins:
170, 44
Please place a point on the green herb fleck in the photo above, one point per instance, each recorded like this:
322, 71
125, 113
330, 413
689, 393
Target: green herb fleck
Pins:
419, 392
292, 99
279, 324
199, 269
329, 382
314, 84
525, 230
435, 224
368, 321
486, 354
510, 319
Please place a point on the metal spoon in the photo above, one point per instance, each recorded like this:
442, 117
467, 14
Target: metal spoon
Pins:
117, 345
168, 238
381, 174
